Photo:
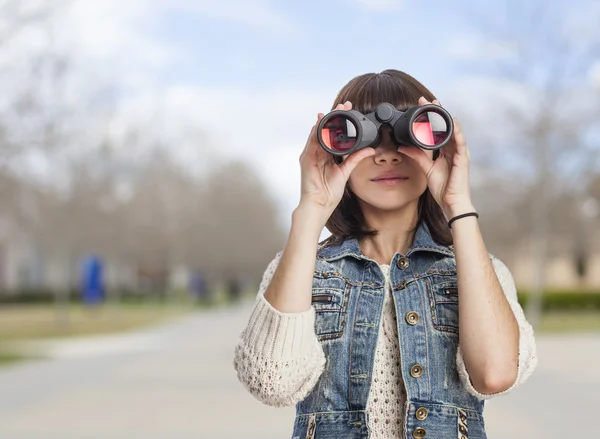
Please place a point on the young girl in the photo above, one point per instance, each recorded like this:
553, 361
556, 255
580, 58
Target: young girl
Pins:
398, 325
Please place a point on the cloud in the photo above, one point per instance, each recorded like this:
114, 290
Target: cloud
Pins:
261, 14
594, 75
380, 5
580, 24
477, 48
119, 41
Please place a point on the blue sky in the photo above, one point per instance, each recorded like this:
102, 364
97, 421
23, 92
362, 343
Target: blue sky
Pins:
324, 42
309, 43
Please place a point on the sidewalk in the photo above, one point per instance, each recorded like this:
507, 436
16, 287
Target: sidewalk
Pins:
178, 382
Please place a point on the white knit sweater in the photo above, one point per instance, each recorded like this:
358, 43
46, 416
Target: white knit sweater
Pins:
279, 359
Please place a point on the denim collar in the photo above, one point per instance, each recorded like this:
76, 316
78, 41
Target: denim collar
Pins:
422, 242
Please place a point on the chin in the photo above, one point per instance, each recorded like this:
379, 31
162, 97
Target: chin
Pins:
388, 202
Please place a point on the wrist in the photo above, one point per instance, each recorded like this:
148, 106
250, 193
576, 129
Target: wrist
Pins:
310, 218
458, 209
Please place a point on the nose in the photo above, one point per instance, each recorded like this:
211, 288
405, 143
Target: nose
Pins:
387, 150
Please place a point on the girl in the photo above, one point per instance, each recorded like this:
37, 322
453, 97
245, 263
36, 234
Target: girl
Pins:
399, 325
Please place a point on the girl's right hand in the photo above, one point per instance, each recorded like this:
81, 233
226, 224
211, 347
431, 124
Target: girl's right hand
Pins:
323, 180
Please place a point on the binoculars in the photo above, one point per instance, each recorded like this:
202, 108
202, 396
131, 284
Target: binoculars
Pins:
342, 132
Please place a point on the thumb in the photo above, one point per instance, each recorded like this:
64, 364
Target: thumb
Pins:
354, 159
419, 156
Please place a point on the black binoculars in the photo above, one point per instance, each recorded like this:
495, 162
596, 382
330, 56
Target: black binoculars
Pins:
342, 132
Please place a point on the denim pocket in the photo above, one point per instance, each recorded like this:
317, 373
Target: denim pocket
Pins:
330, 301
443, 297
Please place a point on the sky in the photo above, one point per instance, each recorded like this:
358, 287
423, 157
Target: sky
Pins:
245, 79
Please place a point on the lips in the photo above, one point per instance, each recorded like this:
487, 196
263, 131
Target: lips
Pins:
390, 176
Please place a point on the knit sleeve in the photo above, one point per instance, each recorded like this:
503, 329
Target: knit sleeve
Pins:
527, 348
278, 358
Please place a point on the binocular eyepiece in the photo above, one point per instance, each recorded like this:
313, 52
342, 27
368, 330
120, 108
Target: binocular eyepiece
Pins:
342, 132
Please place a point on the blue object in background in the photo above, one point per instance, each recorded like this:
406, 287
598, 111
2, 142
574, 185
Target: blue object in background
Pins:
92, 280
197, 285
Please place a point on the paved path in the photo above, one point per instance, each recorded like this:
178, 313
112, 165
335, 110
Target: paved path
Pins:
178, 382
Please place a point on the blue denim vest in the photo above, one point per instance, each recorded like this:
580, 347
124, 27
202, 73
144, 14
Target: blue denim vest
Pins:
348, 293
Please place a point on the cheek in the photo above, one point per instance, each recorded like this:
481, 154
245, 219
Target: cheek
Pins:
359, 177
353, 182
420, 181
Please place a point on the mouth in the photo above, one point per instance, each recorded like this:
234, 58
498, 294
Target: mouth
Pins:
389, 181
389, 178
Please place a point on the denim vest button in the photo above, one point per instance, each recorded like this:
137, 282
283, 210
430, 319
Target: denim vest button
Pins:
422, 414
419, 433
412, 318
416, 371
403, 263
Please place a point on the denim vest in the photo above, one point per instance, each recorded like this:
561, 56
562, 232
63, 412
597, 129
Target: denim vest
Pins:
348, 293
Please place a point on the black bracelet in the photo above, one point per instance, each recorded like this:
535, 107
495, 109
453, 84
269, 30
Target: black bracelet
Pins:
475, 214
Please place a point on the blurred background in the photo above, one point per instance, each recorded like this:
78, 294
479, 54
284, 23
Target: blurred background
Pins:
149, 168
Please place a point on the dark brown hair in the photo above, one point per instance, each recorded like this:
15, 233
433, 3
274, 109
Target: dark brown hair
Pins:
366, 92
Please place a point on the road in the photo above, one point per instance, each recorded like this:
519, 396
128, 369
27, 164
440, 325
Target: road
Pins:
177, 382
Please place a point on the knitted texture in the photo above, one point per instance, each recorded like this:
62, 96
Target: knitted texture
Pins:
385, 405
278, 357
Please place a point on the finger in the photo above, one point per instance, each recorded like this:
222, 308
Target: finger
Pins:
436, 102
345, 106
459, 138
313, 133
419, 156
423, 101
354, 159
312, 138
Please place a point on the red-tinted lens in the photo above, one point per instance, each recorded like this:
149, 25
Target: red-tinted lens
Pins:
430, 128
339, 134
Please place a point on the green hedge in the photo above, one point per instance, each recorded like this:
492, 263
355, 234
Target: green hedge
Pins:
551, 300
47, 296
30, 296
565, 300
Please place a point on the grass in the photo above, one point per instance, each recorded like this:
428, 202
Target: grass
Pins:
9, 357
25, 322
18, 322
570, 321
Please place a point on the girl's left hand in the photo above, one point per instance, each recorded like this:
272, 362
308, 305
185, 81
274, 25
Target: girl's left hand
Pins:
448, 175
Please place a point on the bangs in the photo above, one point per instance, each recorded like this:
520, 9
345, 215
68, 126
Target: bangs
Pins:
367, 91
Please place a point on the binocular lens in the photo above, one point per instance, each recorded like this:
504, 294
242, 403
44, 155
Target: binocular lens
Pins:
339, 133
430, 128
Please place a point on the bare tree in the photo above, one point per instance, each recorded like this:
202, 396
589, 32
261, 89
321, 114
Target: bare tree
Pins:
34, 87
239, 219
550, 149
